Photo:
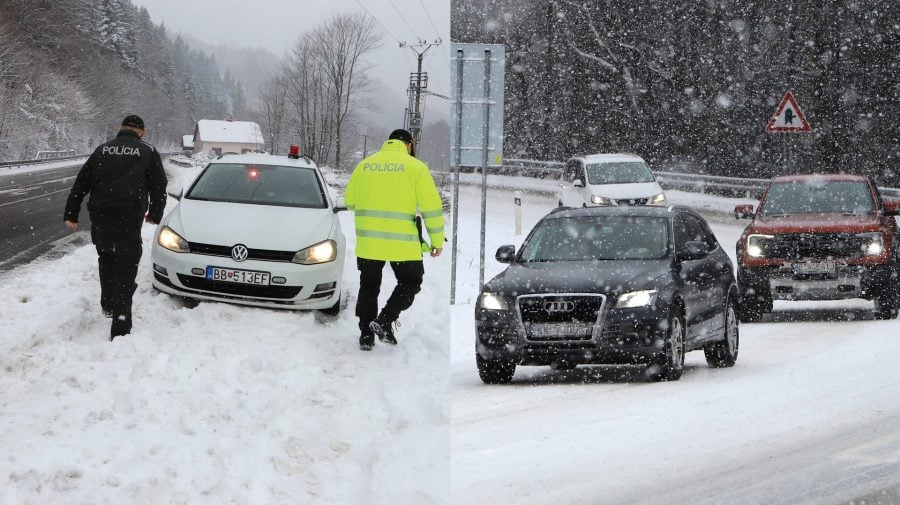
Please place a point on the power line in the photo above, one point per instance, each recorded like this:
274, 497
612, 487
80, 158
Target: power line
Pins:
402, 18
436, 31
377, 21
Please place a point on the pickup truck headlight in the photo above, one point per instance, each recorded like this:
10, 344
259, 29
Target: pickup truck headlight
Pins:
756, 245
602, 200
659, 199
492, 301
172, 241
323, 252
872, 243
637, 299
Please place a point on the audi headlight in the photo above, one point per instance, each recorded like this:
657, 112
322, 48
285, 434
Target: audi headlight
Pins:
637, 299
323, 252
756, 245
172, 241
872, 243
491, 301
601, 200
659, 199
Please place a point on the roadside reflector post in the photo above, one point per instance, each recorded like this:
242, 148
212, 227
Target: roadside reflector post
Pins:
517, 200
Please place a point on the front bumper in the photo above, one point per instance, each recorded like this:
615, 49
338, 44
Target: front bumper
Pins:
305, 287
620, 336
848, 281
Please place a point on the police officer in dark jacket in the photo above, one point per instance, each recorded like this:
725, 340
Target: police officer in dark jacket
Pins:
120, 176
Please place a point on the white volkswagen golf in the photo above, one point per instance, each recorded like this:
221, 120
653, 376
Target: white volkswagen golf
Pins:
254, 229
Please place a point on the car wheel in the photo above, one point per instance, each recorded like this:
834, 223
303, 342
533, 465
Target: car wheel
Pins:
333, 310
887, 302
753, 306
671, 364
495, 371
723, 354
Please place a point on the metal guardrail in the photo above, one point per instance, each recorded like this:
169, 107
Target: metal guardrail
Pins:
36, 162
698, 183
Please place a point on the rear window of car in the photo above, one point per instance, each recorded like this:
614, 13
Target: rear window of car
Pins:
598, 238
818, 195
623, 172
284, 186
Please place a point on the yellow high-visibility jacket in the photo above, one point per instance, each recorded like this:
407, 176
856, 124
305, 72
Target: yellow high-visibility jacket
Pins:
385, 192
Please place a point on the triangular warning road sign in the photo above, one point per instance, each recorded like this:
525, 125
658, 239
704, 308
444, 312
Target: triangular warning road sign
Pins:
788, 117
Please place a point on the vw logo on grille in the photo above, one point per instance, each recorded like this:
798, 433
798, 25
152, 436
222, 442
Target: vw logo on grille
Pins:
559, 306
239, 252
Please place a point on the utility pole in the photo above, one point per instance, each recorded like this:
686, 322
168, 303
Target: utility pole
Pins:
418, 84
365, 140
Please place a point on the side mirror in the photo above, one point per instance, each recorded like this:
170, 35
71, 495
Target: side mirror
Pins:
506, 253
578, 183
339, 205
892, 208
744, 211
177, 195
694, 250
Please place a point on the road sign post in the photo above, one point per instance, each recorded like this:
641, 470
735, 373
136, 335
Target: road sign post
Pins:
476, 138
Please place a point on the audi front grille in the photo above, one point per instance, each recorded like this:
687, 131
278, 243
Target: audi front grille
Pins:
560, 316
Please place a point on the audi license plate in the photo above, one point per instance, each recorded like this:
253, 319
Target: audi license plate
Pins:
237, 276
560, 330
815, 268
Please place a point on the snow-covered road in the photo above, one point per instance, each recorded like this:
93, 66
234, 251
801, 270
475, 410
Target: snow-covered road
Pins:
808, 414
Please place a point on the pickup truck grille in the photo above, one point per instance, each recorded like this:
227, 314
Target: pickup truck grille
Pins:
815, 246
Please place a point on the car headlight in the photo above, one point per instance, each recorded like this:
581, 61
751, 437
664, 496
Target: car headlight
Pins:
872, 243
601, 200
637, 299
659, 199
756, 245
172, 241
323, 252
491, 301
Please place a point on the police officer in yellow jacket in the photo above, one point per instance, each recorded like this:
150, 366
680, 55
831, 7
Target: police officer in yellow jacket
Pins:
385, 193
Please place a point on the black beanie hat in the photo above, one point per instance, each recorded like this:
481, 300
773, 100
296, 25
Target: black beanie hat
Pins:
401, 134
133, 121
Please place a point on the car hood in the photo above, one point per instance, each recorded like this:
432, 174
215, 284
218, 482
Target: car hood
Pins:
830, 222
256, 226
607, 277
623, 191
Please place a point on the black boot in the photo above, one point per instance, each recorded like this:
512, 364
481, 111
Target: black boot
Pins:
366, 342
121, 325
384, 330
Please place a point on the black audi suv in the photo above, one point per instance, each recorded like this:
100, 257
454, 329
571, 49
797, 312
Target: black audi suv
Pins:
609, 285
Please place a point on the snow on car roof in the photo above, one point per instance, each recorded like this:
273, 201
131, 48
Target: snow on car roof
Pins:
264, 159
818, 177
610, 157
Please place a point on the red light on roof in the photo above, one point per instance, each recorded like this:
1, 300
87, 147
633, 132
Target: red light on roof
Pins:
294, 152
253, 173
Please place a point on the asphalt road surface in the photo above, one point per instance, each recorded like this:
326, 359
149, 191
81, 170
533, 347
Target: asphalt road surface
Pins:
31, 210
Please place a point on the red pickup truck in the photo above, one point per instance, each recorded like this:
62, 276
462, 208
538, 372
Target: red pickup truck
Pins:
819, 237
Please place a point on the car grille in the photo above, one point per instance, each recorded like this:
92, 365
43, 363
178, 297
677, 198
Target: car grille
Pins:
814, 246
235, 289
553, 318
252, 254
632, 201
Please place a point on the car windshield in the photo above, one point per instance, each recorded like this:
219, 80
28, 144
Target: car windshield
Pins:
598, 238
284, 186
818, 195
620, 172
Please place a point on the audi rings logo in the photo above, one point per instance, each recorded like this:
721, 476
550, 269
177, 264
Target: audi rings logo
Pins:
239, 252
559, 306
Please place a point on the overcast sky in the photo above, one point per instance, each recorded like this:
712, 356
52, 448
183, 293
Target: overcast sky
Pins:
276, 24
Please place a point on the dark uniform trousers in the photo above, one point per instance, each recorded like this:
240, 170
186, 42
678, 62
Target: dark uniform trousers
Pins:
409, 282
117, 237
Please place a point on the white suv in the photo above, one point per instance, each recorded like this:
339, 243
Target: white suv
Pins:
609, 179
254, 229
